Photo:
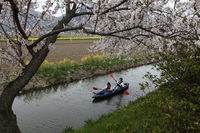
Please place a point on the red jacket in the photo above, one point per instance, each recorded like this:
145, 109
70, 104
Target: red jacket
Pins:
108, 87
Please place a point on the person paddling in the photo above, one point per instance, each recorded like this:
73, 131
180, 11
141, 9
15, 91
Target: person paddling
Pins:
120, 82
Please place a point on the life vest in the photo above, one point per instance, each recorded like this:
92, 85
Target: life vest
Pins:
107, 87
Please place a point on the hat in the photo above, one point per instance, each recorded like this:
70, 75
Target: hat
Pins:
108, 83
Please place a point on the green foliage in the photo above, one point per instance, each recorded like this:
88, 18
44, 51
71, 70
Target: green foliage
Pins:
56, 71
88, 122
180, 71
68, 129
182, 63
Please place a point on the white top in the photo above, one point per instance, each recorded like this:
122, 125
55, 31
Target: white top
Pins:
122, 83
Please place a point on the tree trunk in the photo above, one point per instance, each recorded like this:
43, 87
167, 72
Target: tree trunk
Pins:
8, 122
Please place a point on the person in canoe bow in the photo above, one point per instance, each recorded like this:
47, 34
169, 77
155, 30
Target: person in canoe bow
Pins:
108, 86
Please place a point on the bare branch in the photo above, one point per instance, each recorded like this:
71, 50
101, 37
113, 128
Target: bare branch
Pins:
15, 17
1, 7
27, 11
115, 6
84, 13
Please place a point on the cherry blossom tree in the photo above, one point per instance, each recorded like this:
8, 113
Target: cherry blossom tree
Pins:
124, 25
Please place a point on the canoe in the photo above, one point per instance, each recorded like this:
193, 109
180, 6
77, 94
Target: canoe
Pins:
108, 93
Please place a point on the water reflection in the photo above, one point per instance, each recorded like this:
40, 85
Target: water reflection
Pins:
42, 93
50, 110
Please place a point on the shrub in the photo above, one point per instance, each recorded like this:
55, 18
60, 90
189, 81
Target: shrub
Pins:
180, 70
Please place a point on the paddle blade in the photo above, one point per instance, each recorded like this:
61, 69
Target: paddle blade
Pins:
95, 88
111, 75
126, 92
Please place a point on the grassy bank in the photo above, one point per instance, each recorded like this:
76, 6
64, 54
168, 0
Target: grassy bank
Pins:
90, 64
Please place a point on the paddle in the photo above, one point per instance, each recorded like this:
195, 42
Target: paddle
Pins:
126, 92
111, 75
95, 88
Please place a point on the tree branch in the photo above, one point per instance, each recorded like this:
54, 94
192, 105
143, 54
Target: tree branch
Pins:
83, 13
28, 7
109, 9
1, 7
15, 11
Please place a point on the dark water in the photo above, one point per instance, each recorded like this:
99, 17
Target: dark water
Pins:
50, 110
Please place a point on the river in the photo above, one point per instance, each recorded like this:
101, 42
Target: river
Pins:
51, 109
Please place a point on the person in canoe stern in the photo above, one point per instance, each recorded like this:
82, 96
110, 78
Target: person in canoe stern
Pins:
120, 82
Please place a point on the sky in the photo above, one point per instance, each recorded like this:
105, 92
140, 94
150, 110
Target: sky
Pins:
42, 2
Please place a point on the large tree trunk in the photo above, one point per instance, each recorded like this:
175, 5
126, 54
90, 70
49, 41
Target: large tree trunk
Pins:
8, 122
